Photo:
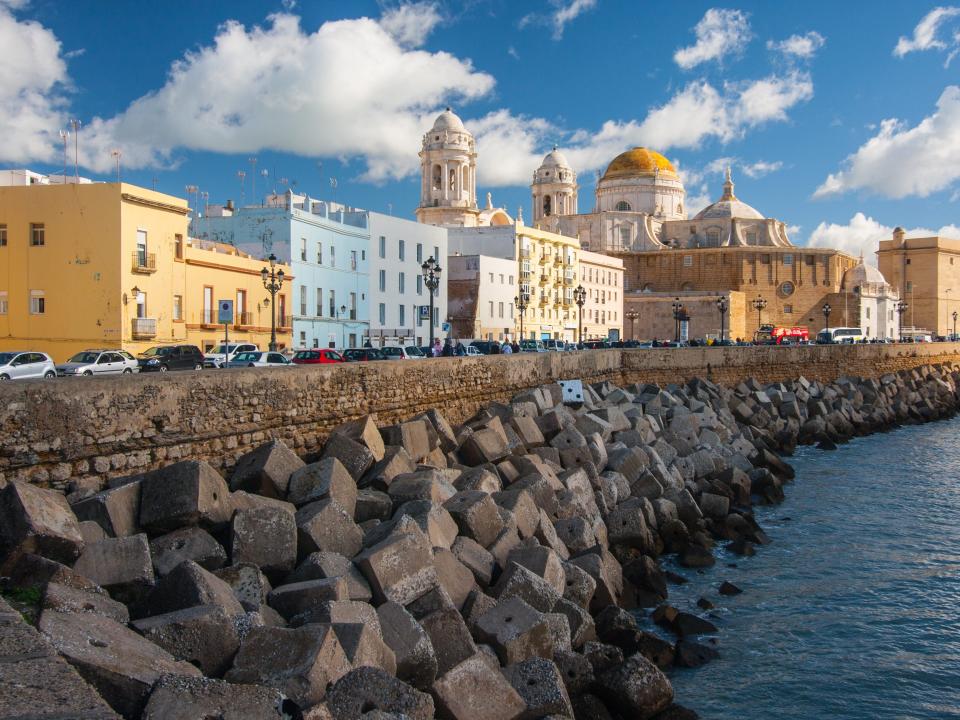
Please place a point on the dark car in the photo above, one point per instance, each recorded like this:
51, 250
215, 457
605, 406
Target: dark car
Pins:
486, 346
362, 355
171, 357
596, 345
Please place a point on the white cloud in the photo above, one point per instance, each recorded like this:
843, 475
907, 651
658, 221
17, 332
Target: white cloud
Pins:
925, 34
274, 87
508, 144
564, 12
862, 234
900, 161
720, 32
411, 23
799, 46
760, 168
33, 81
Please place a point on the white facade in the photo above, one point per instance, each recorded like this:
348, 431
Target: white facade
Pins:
482, 290
448, 174
554, 187
865, 288
602, 277
398, 248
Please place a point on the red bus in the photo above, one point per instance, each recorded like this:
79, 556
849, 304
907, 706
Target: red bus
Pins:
775, 335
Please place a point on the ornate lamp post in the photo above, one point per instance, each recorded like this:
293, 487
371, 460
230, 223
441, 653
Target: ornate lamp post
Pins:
954, 325
272, 282
522, 302
826, 315
677, 308
341, 313
632, 316
722, 307
901, 308
431, 278
759, 304
580, 297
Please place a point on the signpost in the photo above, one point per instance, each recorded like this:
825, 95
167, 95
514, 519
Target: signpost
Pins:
225, 316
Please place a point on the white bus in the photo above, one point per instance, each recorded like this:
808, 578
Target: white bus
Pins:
840, 335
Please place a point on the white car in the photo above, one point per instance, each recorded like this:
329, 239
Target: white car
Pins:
411, 352
26, 366
472, 351
217, 357
259, 358
99, 362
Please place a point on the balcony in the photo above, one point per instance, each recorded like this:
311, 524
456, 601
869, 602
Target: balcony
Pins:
544, 259
568, 279
544, 299
144, 263
143, 328
285, 321
243, 319
524, 253
558, 260
544, 279
558, 282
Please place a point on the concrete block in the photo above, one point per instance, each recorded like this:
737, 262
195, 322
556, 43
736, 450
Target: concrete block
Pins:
547, 536
515, 630
579, 585
354, 456
715, 506
368, 690
411, 645
188, 585
365, 432
250, 586
91, 532
635, 689
479, 478
266, 471
430, 485
181, 698
541, 561
453, 576
476, 515
33, 571
65, 599
483, 446
320, 565
189, 543
204, 636
182, 494
475, 558
528, 431
324, 526
412, 436
450, 638
606, 571
438, 525
395, 461
524, 508
540, 684
399, 569
576, 534
39, 521
576, 671
364, 647
122, 566
296, 598
265, 537
115, 510
501, 547
579, 622
475, 690
627, 525
327, 478
372, 505
242, 500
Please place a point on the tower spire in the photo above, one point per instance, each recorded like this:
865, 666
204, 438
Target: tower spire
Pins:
728, 186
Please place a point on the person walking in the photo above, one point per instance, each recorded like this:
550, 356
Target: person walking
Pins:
505, 349
447, 348
436, 348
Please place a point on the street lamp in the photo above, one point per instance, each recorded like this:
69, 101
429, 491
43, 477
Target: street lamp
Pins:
522, 302
954, 325
826, 316
340, 313
759, 304
722, 307
632, 316
431, 278
580, 297
677, 307
901, 308
272, 282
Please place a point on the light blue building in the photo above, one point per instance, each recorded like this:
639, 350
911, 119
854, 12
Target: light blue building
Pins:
327, 247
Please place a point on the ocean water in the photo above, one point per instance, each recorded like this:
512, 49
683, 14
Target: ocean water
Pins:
854, 610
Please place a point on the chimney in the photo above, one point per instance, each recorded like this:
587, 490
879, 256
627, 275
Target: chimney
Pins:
898, 235
230, 205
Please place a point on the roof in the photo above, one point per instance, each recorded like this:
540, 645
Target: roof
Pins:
638, 162
448, 120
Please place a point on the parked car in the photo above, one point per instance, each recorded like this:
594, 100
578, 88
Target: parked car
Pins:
362, 355
162, 358
99, 362
485, 347
259, 358
26, 366
472, 351
596, 345
415, 352
317, 356
555, 345
217, 357
532, 346
392, 352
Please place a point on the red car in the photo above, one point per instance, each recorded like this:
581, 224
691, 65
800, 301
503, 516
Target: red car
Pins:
317, 357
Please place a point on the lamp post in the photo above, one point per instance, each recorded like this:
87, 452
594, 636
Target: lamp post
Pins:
340, 313
826, 316
580, 297
522, 302
722, 307
759, 304
632, 316
901, 308
677, 307
431, 278
954, 325
272, 282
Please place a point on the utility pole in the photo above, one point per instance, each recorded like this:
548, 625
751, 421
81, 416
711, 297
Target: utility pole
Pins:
75, 126
64, 135
117, 152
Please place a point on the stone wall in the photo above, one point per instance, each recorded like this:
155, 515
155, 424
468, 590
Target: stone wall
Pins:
91, 429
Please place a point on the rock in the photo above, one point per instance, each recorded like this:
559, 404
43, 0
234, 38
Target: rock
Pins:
299, 662
648, 579
121, 665
365, 432
368, 689
189, 543
450, 638
182, 494
689, 624
412, 436
296, 598
692, 654
704, 604
476, 515
715, 506
188, 585
575, 669
34, 520
518, 581
204, 636
602, 657
453, 576
122, 566
33, 571
516, 631
356, 458
399, 569
327, 478
476, 690
475, 558
326, 527
266, 471
115, 510
589, 707
249, 585
635, 689
728, 588
265, 537
320, 565
91, 532
540, 684
695, 556
66, 599
415, 656
190, 698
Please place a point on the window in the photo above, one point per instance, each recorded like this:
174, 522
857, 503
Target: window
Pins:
178, 247
383, 246
353, 259
688, 260
353, 306
4, 307
511, 280
141, 305
436, 253
765, 259
333, 304
38, 303
383, 314
491, 278
319, 302
303, 338
491, 307
501, 309
788, 309
178, 307
207, 305
624, 235
401, 283
37, 235
510, 310
141, 248
623, 206
419, 284
333, 257
908, 261
383, 281
909, 287
868, 315
501, 278
403, 320
319, 253
419, 252
401, 245
303, 249
788, 259
303, 295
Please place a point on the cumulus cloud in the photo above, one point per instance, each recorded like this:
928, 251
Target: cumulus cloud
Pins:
803, 47
509, 146
927, 35
720, 32
564, 12
275, 87
862, 234
411, 23
33, 82
900, 161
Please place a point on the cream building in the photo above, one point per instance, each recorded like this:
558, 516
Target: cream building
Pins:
481, 291
602, 278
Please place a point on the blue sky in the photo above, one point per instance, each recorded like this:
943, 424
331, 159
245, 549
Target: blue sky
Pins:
840, 118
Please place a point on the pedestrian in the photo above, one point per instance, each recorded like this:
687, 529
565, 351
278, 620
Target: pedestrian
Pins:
436, 348
506, 349
447, 348
515, 346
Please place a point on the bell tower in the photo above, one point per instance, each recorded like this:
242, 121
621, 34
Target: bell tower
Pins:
448, 174
554, 187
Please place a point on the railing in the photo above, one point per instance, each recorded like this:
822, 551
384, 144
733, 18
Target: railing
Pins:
243, 319
524, 252
544, 279
544, 259
568, 279
144, 262
285, 321
558, 260
144, 328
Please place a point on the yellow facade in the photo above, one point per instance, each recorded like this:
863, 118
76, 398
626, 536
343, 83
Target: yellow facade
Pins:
549, 271
602, 278
100, 265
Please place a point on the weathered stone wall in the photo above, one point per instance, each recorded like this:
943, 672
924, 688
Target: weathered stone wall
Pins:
55, 431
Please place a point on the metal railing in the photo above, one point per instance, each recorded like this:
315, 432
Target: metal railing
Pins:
243, 318
143, 328
144, 262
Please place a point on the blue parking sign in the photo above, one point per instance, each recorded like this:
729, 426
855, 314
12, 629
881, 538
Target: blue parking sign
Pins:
225, 311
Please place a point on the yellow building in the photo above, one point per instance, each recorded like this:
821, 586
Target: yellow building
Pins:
602, 278
85, 265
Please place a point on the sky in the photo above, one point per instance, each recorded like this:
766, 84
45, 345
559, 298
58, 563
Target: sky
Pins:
841, 119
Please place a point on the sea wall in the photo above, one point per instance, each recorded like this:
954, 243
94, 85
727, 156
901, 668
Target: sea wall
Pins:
91, 429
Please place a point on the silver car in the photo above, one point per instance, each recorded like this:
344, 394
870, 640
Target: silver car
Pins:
21, 365
259, 358
99, 362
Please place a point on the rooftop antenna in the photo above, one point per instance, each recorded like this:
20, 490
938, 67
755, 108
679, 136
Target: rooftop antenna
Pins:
75, 125
253, 178
64, 135
241, 174
264, 174
117, 153
333, 188
154, 182
190, 190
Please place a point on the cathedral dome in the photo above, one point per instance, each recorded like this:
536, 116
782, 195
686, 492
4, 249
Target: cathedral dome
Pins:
555, 158
862, 274
728, 206
638, 162
448, 120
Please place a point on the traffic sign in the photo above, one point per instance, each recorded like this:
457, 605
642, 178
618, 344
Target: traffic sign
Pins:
225, 311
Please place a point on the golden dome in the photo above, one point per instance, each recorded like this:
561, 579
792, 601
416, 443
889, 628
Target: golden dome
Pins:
638, 162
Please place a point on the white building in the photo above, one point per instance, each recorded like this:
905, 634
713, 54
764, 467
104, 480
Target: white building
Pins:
869, 298
482, 290
602, 277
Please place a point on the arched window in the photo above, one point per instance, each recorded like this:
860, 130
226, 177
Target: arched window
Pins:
453, 179
546, 206
623, 206
437, 177
465, 182
679, 208
713, 238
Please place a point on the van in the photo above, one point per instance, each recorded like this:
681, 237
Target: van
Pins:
839, 335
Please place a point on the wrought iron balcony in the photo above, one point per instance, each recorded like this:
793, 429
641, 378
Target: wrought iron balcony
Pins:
144, 328
144, 263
